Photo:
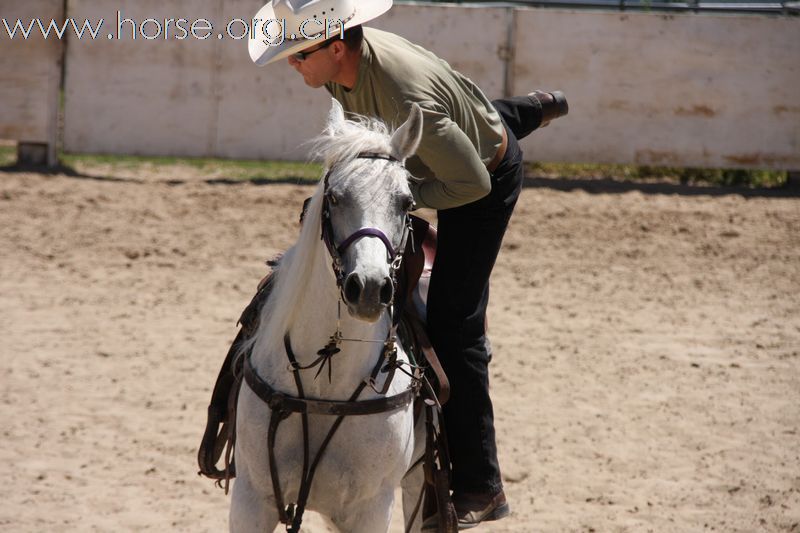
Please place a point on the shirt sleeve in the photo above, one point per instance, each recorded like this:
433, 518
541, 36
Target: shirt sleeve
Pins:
460, 176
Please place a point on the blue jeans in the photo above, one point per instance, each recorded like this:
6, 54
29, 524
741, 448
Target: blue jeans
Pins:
469, 239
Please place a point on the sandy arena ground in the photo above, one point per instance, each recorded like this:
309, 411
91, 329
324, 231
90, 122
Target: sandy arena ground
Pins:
647, 340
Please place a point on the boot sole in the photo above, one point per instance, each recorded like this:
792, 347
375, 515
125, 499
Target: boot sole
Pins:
561, 101
497, 513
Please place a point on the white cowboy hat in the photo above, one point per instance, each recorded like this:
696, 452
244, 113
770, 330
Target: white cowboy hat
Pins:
284, 27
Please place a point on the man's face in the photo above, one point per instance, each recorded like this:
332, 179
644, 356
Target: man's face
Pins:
319, 66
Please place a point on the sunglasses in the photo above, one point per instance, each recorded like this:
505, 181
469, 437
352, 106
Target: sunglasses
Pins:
301, 56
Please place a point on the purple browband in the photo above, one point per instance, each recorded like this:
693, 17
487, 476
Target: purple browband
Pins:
367, 232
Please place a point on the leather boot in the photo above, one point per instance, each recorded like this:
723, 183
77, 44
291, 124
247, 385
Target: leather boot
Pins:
554, 104
472, 509
527, 113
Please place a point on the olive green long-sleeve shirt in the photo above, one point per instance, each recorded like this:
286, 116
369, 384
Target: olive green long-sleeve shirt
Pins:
461, 132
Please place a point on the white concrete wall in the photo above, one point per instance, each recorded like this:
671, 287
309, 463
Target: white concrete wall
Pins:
694, 90
206, 98
264, 112
182, 97
139, 96
30, 72
473, 40
664, 89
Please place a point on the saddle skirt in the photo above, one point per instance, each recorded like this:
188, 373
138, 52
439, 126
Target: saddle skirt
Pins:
415, 276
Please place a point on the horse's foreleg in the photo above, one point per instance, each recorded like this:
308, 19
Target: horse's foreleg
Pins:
251, 511
413, 481
372, 516
412, 497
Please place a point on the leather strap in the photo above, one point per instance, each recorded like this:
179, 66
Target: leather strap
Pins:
280, 402
220, 433
437, 468
219, 430
283, 406
501, 153
424, 343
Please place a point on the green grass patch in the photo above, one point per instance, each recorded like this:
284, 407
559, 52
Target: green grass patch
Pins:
688, 176
212, 167
244, 170
8, 155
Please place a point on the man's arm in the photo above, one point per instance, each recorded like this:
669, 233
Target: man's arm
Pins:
460, 175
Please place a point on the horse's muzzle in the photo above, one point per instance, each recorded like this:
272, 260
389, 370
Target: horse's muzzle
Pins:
367, 297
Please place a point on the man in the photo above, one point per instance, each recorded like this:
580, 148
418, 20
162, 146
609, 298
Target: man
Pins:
469, 168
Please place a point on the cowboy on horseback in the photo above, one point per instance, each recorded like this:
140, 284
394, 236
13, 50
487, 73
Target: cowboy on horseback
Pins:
468, 167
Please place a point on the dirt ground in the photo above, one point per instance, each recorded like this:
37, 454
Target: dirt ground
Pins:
647, 351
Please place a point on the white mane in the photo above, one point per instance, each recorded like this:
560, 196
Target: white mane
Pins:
338, 150
350, 138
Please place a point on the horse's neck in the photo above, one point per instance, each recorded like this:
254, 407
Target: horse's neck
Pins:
318, 313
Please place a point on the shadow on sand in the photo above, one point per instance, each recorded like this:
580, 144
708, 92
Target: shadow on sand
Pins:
611, 186
592, 186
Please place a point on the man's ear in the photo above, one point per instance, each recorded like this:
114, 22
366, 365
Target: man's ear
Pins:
339, 48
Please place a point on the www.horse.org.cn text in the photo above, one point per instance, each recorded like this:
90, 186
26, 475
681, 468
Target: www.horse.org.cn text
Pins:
273, 32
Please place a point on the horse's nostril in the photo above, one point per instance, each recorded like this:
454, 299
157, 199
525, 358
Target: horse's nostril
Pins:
352, 288
387, 291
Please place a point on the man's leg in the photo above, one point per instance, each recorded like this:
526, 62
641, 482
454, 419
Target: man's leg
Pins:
469, 239
524, 114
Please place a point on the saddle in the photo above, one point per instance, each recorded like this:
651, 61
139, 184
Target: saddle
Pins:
411, 296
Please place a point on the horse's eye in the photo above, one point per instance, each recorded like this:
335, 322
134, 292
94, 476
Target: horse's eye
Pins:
333, 199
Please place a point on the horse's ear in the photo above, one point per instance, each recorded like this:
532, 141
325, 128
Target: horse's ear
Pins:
335, 117
405, 139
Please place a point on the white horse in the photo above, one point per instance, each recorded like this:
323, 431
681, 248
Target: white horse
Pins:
366, 186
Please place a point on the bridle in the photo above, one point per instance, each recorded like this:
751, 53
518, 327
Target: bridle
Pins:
283, 405
394, 255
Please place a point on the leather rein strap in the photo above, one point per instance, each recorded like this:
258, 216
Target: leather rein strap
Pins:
278, 401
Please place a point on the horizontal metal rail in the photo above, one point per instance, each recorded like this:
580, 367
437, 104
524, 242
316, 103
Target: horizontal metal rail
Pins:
766, 7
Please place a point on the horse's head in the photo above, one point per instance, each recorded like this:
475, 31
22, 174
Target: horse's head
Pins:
366, 205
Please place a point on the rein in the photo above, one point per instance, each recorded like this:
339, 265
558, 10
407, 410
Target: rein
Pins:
283, 405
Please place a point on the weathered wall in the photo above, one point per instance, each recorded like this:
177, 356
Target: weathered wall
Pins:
30, 71
140, 96
205, 98
182, 97
693, 90
663, 89
473, 40
264, 112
